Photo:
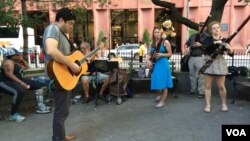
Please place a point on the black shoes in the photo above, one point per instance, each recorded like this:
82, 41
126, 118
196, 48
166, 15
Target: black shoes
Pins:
87, 100
200, 95
103, 98
189, 92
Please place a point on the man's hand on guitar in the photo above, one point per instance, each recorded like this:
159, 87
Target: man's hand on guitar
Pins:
75, 68
102, 45
89, 59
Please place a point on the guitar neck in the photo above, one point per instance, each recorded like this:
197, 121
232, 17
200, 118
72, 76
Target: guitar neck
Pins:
89, 55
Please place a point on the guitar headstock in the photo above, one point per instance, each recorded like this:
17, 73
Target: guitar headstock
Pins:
102, 43
104, 39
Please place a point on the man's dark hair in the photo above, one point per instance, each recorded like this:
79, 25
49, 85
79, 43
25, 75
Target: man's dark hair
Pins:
66, 14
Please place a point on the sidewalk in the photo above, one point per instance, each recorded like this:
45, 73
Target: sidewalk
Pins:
136, 119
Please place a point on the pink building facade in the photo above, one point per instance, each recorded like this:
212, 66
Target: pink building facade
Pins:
234, 13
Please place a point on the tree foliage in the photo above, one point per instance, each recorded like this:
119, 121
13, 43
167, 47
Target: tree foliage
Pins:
79, 13
101, 2
31, 21
8, 18
146, 37
216, 12
6, 13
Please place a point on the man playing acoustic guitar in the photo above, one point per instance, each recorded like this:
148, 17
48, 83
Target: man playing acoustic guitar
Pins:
56, 47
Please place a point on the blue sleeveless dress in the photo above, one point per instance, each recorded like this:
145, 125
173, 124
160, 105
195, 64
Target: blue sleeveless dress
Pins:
161, 77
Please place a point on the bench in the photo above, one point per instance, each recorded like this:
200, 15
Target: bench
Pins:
132, 70
132, 64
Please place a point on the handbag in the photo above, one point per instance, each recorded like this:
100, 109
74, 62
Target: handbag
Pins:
142, 72
184, 63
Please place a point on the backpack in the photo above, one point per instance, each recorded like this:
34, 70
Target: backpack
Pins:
242, 70
233, 71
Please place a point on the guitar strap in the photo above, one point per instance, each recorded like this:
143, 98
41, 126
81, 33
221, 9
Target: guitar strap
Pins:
72, 48
158, 48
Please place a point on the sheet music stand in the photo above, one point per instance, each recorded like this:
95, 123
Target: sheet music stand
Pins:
101, 65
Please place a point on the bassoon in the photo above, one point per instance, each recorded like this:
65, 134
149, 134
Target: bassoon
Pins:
197, 37
185, 58
222, 47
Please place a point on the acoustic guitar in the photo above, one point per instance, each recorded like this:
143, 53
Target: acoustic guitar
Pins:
63, 76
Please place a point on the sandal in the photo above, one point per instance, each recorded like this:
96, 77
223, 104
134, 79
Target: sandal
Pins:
207, 109
70, 137
159, 105
158, 98
224, 108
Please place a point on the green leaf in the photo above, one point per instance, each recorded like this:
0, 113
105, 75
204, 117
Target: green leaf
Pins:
100, 37
146, 37
80, 14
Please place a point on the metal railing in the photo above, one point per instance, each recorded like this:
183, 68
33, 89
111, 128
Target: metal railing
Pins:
239, 59
35, 59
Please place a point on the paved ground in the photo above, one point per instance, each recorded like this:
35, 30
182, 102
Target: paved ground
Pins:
182, 119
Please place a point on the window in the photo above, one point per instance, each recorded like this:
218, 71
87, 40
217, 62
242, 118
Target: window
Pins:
8, 32
129, 47
135, 47
123, 47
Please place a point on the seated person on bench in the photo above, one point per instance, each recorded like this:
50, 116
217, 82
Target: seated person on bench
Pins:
87, 79
12, 75
17, 98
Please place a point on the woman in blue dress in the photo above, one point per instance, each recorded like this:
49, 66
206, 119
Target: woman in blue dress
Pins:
161, 79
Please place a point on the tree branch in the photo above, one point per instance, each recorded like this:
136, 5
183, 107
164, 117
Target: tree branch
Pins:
176, 16
217, 9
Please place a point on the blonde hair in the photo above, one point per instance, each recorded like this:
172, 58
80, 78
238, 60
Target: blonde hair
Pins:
211, 24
